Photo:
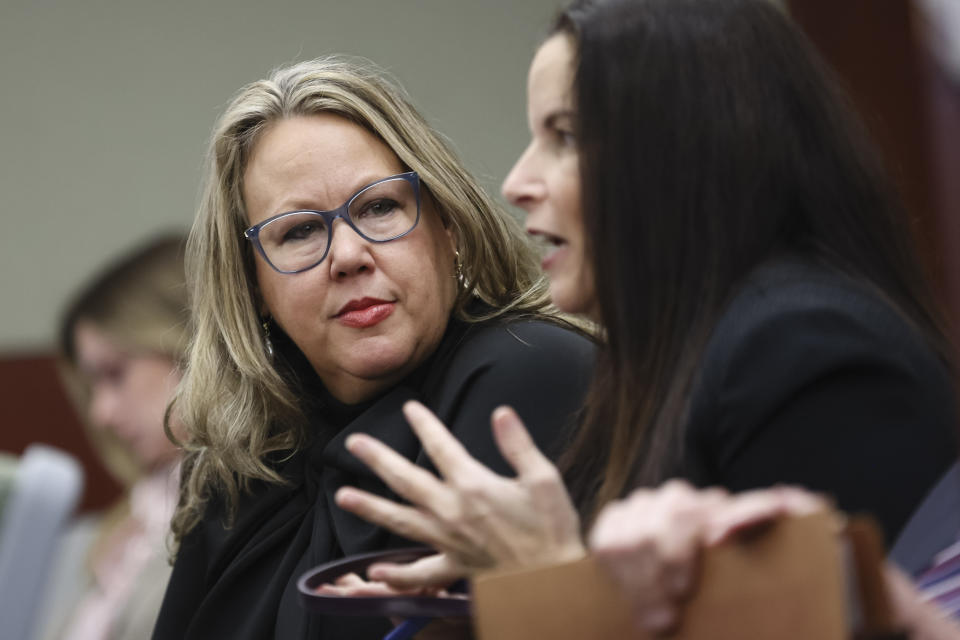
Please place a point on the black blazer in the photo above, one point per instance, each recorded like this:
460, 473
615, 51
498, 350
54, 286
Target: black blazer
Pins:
812, 379
240, 583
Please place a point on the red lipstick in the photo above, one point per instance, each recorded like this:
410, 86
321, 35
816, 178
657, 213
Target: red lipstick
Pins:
365, 312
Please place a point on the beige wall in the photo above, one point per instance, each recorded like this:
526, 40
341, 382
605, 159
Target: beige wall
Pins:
105, 107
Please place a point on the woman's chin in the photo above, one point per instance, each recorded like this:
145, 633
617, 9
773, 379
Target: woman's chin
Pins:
366, 374
571, 298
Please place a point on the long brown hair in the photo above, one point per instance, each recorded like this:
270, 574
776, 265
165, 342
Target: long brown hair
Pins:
711, 137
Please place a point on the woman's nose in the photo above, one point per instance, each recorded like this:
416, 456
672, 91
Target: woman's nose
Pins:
349, 252
103, 408
523, 187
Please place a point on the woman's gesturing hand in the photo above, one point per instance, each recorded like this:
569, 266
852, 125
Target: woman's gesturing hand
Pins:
650, 542
476, 519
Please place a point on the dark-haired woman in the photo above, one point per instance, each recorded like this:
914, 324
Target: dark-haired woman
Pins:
708, 197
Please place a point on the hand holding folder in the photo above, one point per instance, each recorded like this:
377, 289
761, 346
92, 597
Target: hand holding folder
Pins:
797, 580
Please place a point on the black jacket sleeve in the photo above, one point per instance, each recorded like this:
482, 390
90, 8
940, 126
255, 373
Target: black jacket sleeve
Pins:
829, 388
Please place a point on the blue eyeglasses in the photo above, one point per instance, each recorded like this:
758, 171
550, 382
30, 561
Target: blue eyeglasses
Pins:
382, 211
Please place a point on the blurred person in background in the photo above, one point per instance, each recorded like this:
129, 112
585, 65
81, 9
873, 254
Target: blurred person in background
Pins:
123, 338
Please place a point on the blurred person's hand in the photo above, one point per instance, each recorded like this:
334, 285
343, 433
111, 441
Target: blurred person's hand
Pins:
922, 620
650, 542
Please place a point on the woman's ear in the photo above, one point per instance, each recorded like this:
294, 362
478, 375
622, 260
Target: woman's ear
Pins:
448, 227
452, 238
258, 302
253, 285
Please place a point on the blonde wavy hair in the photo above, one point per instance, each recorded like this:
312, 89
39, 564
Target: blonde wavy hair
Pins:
140, 302
236, 408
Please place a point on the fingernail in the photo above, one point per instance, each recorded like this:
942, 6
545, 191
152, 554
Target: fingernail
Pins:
354, 443
657, 619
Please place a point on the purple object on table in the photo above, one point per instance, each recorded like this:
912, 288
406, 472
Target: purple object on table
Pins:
384, 606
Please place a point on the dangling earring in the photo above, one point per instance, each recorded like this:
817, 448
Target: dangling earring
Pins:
267, 343
458, 268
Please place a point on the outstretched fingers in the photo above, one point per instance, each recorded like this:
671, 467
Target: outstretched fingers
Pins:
406, 521
406, 479
517, 446
447, 453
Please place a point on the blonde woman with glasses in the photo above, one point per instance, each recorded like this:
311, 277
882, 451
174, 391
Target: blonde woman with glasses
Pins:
342, 263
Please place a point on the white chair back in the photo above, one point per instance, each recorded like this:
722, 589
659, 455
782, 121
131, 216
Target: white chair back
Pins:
42, 493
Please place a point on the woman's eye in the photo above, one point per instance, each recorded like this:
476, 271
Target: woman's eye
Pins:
302, 231
378, 208
112, 375
566, 138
